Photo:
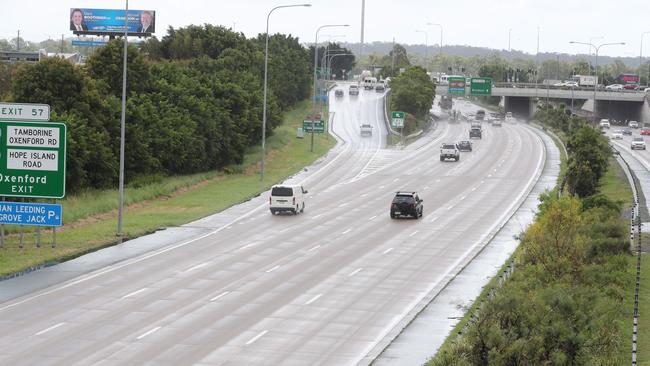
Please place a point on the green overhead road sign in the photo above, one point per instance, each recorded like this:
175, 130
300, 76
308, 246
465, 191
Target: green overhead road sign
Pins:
456, 86
319, 126
24, 112
32, 159
481, 86
397, 119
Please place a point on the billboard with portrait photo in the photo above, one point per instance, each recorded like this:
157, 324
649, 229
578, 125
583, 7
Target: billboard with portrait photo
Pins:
111, 21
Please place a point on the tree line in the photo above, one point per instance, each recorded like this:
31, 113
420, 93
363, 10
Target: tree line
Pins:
412, 92
195, 101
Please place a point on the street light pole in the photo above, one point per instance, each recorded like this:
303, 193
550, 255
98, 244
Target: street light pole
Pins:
591, 41
266, 65
641, 59
597, 48
509, 34
120, 210
426, 46
440, 48
313, 105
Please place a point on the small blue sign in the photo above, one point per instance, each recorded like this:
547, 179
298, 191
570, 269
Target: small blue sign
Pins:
89, 43
22, 213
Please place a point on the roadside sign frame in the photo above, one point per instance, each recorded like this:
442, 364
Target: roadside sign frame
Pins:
397, 119
58, 176
483, 86
454, 87
56, 208
33, 106
319, 126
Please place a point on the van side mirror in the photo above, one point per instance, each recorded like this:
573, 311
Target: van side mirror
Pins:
305, 191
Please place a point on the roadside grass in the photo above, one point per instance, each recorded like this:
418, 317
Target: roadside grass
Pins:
643, 339
615, 186
90, 218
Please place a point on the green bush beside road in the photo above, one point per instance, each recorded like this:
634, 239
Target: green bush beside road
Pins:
567, 303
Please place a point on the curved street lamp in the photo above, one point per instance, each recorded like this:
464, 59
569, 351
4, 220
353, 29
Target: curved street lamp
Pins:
597, 48
266, 63
313, 106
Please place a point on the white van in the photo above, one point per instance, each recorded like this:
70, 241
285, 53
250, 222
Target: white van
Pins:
287, 198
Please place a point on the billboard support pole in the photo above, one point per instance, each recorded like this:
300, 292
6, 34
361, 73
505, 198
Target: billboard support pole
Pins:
120, 213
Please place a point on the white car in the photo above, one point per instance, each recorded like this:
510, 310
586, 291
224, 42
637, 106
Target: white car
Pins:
633, 124
638, 143
617, 135
614, 87
647, 90
567, 83
604, 123
287, 198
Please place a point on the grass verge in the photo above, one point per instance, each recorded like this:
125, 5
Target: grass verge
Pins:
91, 219
643, 345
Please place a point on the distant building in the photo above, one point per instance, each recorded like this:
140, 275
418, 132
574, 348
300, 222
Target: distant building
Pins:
13, 56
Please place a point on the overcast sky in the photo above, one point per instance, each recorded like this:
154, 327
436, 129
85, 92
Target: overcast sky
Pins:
478, 23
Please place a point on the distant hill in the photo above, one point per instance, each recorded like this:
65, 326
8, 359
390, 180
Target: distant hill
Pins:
383, 48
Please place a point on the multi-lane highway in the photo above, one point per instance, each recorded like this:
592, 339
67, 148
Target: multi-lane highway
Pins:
320, 288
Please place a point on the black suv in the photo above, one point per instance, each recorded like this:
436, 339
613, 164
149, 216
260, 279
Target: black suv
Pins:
464, 145
406, 204
475, 132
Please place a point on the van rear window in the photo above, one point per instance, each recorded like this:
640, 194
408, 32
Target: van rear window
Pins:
282, 191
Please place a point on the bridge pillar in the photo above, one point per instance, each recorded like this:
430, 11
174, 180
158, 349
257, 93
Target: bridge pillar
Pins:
521, 107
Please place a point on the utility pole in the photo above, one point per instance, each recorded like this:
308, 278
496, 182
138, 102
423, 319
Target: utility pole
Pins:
363, 11
62, 43
393, 63
18, 41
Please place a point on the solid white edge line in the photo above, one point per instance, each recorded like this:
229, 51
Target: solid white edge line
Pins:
134, 293
313, 299
355, 272
272, 269
388, 250
197, 267
49, 329
254, 339
151, 331
219, 296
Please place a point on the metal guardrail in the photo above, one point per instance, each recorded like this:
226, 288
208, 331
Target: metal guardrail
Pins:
635, 237
553, 87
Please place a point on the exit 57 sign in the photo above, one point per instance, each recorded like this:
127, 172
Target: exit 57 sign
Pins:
32, 159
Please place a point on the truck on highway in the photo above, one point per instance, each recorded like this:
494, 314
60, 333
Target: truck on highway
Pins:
480, 115
585, 80
445, 102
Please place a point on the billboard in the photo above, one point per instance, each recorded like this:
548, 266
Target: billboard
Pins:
628, 79
111, 21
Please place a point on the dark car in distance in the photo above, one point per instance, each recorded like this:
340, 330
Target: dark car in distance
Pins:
406, 204
627, 131
464, 145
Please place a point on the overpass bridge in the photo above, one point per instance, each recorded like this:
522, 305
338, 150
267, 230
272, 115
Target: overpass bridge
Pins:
618, 104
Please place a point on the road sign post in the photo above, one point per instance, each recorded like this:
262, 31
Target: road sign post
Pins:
24, 112
481, 86
318, 125
23, 213
32, 159
456, 86
397, 119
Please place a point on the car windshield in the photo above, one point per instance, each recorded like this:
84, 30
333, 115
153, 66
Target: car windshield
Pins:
282, 191
638, 139
448, 146
403, 198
